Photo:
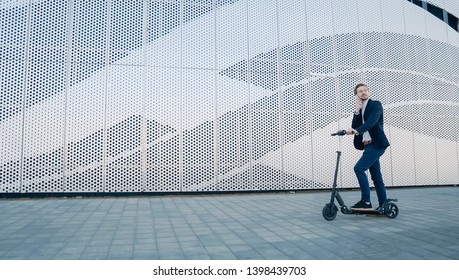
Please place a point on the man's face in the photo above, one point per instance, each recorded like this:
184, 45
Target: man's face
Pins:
362, 93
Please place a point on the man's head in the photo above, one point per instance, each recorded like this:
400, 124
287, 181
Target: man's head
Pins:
361, 90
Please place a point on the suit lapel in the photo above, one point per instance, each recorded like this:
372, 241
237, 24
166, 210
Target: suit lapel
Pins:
367, 109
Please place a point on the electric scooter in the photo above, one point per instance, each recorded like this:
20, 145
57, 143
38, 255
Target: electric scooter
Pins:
389, 208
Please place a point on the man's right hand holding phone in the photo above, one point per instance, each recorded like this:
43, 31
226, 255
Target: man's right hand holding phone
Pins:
358, 104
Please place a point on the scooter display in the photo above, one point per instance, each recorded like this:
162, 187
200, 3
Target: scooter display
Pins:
330, 210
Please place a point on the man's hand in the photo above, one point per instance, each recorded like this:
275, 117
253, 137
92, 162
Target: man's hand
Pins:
351, 131
358, 104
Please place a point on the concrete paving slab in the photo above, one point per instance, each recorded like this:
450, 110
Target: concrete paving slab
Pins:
229, 226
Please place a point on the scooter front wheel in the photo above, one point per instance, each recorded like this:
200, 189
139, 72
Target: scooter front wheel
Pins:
391, 210
329, 211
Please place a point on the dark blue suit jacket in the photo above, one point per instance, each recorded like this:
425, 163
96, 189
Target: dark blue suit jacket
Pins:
374, 122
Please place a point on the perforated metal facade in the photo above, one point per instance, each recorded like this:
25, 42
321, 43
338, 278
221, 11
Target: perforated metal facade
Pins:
220, 95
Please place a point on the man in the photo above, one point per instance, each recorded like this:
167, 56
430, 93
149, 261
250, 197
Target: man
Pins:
369, 136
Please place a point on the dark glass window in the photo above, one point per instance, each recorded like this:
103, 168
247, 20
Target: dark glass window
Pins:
453, 22
436, 11
417, 2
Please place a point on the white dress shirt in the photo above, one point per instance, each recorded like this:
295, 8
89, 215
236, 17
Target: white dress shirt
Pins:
366, 136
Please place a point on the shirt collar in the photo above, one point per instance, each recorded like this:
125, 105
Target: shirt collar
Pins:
364, 104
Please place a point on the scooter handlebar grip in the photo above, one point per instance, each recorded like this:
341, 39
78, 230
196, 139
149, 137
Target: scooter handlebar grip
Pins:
339, 133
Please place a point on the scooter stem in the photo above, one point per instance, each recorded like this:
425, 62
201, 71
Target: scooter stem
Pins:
338, 155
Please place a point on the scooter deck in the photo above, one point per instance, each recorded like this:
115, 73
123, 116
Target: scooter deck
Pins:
366, 211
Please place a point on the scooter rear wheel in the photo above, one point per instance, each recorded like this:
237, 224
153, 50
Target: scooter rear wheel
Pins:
329, 211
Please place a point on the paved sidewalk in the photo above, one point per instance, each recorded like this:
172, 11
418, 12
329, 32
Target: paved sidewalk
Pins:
231, 226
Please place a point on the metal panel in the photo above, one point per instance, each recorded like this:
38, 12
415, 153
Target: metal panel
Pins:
320, 30
263, 68
85, 133
294, 101
163, 112
198, 35
164, 21
325, 112
44, 130
126, 32
425, 148
86, 98
233, 99
43, 153
13, 38
123, 129
198, 108
234, 131
445, 110
349, 49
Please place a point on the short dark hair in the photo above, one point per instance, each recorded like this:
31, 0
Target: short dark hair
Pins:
359, 85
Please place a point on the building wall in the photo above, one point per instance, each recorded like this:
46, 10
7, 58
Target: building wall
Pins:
220, 95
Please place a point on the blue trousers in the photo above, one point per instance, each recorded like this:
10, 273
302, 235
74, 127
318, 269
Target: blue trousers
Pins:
370, 161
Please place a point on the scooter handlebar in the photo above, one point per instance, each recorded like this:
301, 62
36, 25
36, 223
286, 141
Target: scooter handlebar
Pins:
339, 133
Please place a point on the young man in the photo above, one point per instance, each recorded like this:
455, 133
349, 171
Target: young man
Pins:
369, 136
